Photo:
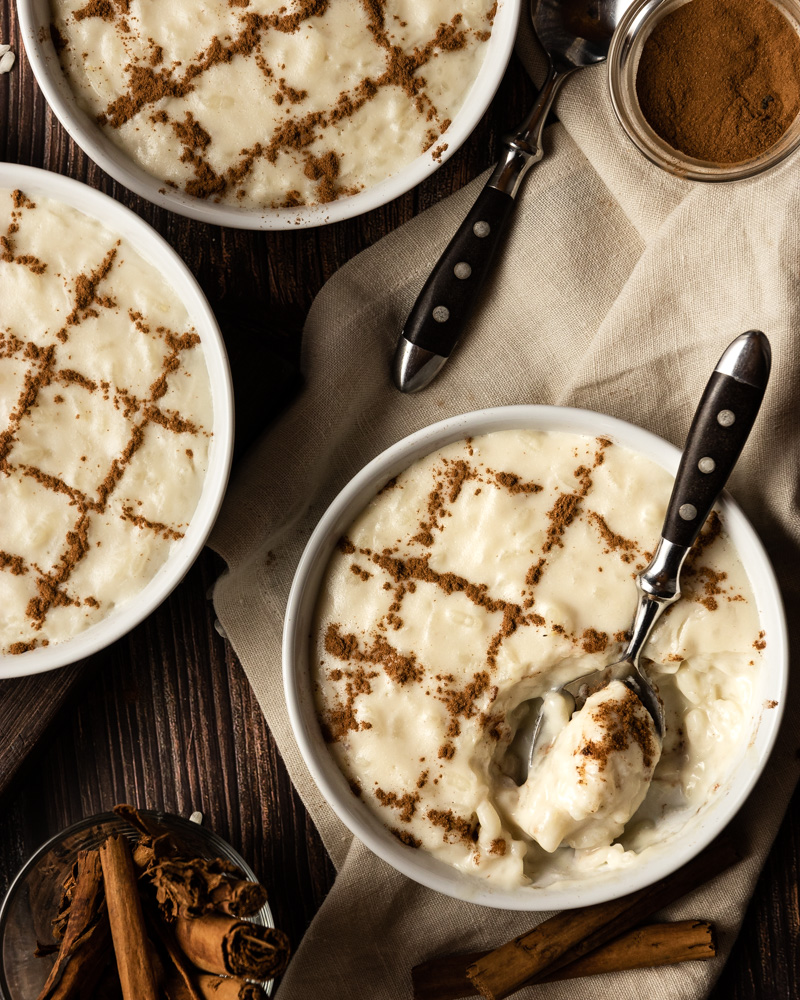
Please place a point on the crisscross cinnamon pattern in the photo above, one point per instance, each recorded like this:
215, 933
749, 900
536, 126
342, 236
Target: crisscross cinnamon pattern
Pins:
156, 84
359, 656
47, 372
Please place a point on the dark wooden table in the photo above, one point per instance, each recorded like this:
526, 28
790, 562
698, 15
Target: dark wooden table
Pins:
165, 718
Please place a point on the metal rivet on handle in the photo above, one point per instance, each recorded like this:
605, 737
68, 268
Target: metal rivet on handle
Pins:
462, 270
706, 465
441, 314
726, 417
688, 511
481, 229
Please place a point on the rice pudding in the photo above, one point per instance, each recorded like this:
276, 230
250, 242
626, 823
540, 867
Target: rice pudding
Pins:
272, 104
486, 575
105, 421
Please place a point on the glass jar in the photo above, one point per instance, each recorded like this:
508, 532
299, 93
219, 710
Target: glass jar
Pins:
623, 64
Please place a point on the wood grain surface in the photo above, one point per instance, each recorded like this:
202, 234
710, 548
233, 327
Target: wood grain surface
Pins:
165, 718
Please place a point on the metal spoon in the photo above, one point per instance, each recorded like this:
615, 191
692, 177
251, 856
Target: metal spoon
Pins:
721, 425
574, 34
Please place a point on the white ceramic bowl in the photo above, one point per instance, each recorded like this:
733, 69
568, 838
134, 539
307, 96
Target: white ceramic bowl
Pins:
699, 831
158, 253
34, 18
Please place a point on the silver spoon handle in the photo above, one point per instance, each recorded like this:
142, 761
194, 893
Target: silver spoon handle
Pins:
523, 148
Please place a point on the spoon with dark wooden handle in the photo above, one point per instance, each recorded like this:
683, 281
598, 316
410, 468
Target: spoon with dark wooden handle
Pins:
574, 34
722, 423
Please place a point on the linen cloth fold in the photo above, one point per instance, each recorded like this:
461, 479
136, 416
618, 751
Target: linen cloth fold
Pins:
618, 289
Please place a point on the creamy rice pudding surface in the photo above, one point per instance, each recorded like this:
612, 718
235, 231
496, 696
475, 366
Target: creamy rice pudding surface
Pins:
272, 104
105, 421
484, 576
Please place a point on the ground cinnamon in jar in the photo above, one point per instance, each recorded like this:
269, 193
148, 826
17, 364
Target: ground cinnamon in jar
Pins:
719, 80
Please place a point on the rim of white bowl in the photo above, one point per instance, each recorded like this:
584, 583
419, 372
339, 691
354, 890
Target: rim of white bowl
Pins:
34, 19
421, 866
154, 249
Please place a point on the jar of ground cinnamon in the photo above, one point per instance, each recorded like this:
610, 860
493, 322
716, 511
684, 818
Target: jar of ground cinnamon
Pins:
709, 89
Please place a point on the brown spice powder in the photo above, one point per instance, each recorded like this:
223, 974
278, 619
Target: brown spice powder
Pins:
625, 722
399, 668
720, 79
593, 641
455, 827
405, 837
148, 85
514, 484
406, 803
613, 541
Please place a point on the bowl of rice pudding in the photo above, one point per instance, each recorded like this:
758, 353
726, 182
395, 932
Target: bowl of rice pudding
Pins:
462, 576
265, 114
116, 420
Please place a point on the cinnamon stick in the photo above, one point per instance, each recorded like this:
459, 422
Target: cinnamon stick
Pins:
179, 981
188, 886
230, 947
85, 940
227, 988
574, 933
131, 944
239, 898
643, 948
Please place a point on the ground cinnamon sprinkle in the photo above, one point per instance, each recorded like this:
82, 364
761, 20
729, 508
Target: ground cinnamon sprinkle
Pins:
625, 723
593, 641
514, 483
534, 574
18, 648
455, 475
455, 827
39, 372
156, 526
720, 79
14, 564
561, 515
614, 542
7, 249
191, 134
342, 718
151, 81
86, 296
406, 803
104, 9
58, 40
401, 669
405, 837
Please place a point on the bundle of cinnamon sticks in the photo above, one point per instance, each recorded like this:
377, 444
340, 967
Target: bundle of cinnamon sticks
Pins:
150, 921
607, 937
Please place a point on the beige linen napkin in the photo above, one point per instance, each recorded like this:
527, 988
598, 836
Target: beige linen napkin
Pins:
619, 288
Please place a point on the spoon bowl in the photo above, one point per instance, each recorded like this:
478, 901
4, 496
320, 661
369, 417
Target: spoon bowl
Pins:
576, 33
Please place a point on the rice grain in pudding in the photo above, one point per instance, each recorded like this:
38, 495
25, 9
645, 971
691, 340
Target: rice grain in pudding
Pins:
487, 574
272, 104
105, 421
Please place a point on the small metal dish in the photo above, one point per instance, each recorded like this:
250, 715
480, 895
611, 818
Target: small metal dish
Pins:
33, 897
623, 65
